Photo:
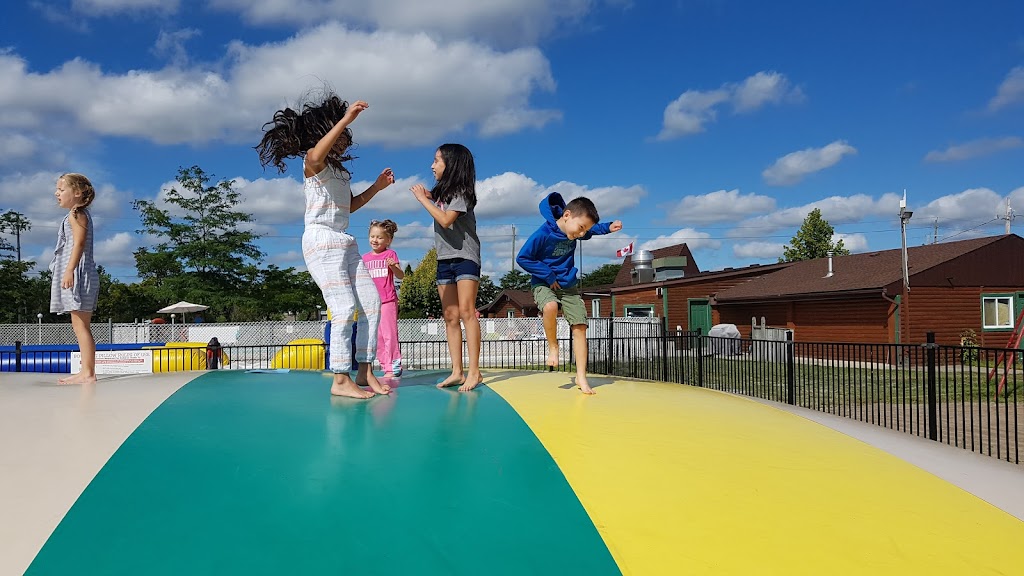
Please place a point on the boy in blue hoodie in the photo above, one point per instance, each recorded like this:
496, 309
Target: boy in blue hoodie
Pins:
549, 257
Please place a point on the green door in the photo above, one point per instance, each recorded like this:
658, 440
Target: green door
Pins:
699, 315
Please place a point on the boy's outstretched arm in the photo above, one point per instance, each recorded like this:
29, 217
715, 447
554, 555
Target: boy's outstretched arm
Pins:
531, 259
603, 228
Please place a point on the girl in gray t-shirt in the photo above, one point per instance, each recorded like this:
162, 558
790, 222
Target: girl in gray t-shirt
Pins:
451, 203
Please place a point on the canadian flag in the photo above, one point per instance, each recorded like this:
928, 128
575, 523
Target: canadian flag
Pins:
624, 251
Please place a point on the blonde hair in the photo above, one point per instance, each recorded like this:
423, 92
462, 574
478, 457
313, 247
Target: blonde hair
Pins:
83, 186
388, 226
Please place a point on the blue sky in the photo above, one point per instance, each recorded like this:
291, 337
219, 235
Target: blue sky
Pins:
718, 123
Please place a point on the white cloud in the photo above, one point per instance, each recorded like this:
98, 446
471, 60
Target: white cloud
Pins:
791, 168
764, 88
759, 250
694, 239
171, 45
974, 149
271, 201
508, 194
611, 201
1010, 92
852, 242
972, 206
719, 206
230, 101
690, 112
835, 209
108, 7
15, 148
117, 250
500, 22
693, 109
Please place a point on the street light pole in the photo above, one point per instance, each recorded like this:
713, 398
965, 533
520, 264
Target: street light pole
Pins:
39, 317
905, 216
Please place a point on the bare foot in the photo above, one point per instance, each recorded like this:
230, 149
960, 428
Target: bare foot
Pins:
346, 387
78, 378
375, 384
583, 385
472, 381
453, 380
552, 356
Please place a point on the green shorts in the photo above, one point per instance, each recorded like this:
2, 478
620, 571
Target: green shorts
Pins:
568, 299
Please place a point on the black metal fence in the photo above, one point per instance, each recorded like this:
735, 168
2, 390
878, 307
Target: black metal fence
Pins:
966, 397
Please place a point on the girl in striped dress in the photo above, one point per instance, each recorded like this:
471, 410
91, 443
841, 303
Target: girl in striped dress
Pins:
75, 285
320, 135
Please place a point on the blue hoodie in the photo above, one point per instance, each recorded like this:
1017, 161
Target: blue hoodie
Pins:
549, 255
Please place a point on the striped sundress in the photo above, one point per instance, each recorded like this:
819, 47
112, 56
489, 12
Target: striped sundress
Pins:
85, 289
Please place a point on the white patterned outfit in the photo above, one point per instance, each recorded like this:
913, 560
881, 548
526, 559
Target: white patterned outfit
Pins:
334, 262
85, 288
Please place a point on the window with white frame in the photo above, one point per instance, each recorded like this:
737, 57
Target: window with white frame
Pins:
595, 308
511, 313
996, 312
639, 311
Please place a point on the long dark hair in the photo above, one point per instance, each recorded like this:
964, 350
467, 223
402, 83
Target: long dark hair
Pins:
459, 177
292, 134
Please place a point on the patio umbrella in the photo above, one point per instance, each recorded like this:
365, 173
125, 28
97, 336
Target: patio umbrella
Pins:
182, 307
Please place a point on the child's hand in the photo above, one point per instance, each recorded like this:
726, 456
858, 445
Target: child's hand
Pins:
420, 192
67, 280
555, 286
386, 178
354, 109
616, 226
390, 261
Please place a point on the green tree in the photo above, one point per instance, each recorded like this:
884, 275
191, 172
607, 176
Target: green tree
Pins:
13, 223
515, 280
487, 292
813, 240
15, 283
202, 255
15, 290
283, 291
418, 297
129, 302
602, 275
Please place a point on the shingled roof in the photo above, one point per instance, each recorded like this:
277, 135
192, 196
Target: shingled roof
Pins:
519, 298
623, 277
856, 272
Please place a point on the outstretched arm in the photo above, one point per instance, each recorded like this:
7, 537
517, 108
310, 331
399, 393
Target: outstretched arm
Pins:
386, 178
603, 228
316, 157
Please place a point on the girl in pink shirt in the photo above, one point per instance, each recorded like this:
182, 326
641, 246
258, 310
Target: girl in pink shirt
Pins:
382, 263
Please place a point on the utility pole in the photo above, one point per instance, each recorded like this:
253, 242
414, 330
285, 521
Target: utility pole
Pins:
17, 233
935, 231
513, 268
1008, 215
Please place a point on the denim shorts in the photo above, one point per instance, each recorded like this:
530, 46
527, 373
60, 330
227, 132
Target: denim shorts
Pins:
457, 270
